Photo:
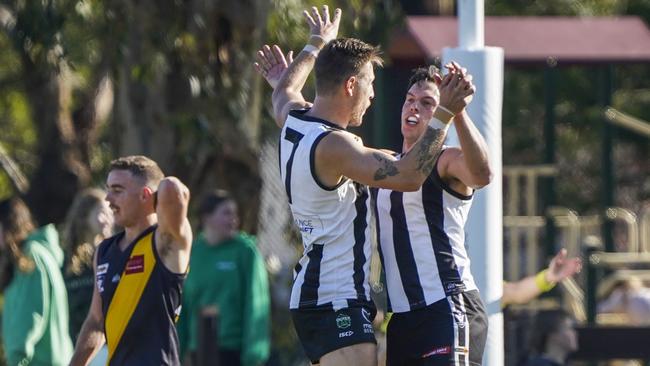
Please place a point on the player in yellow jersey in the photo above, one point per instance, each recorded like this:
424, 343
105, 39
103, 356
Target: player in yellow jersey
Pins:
139, 272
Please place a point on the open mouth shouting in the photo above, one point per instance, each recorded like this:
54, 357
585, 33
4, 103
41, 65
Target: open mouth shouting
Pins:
412, 120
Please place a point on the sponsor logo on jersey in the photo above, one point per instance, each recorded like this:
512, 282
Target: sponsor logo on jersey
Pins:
308, 225
366, 315
135, 265
367, 328
99, 278
455, 287
343, 321
100, 283
116, 278
438, 351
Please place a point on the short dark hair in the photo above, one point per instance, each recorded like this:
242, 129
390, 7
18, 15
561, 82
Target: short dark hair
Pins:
141, 167
340, 59
212, 200
421, 74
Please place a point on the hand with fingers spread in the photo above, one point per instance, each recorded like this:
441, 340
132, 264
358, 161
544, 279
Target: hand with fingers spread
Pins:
562, 267
272, 63
321, 28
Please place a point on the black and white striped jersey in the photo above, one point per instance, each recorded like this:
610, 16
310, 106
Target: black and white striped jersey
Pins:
422, 243
333, 221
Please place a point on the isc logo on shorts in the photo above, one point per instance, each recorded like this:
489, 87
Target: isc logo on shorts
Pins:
346, 334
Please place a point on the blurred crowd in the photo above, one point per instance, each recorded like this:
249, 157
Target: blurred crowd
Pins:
47, 281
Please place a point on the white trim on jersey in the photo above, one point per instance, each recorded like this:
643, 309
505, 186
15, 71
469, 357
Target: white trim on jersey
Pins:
422, 243
333, 222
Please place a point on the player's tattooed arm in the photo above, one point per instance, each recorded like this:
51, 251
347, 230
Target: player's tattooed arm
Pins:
425, 155
429, 149
387, 169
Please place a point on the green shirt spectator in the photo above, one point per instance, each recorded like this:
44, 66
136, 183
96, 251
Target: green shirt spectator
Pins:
227, 272
35, 313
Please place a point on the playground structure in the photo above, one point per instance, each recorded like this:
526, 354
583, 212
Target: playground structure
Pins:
535, 226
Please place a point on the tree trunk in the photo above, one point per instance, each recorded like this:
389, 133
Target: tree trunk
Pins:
61, 171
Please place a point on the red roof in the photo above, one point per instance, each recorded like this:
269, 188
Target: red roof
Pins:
533, 39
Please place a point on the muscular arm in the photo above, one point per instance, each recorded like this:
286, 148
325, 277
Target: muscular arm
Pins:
174, 234
470, 164
91, 337
341, 155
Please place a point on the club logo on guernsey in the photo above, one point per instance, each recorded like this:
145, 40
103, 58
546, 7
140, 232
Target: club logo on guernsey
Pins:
343, 321
134, 265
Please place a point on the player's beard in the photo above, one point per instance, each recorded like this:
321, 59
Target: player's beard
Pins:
357, 117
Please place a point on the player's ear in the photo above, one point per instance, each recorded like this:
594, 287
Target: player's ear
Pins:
147, 193
438, 78
350, 84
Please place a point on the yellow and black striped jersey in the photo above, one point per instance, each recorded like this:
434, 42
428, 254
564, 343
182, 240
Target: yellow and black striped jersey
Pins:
141, 300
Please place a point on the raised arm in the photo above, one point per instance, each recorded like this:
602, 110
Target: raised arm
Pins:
174, 234
272, 63
91, 337
343, 155
470, 164
528, 288
287, 95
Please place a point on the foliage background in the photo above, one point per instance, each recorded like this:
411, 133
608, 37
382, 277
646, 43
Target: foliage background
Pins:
84, 81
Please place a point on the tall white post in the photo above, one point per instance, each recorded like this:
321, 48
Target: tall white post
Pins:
485, 224
471, 29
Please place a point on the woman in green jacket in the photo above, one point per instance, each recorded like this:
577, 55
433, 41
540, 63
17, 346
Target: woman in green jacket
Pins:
227, 273
35, 311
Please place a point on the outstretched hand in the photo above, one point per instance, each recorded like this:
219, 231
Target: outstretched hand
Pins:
320, 25
562, 267
272, 63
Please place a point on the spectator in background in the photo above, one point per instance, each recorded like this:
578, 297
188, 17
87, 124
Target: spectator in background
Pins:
528, 288
629, 297
554, 338
35, 313
88, 222
227, 272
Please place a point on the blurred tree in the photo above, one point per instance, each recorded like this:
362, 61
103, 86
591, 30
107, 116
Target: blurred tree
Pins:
63, 132
174, 76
